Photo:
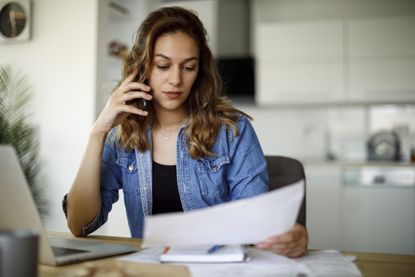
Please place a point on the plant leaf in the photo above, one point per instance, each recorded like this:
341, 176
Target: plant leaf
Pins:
15, 96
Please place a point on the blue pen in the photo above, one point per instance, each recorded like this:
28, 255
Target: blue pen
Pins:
214, 249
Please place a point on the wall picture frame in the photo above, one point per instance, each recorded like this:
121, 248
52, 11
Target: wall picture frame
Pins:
15, 20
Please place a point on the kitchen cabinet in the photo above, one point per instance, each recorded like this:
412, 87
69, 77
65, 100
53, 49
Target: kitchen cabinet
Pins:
353, 60
381, 57
299, 83
299, 62
378, 214
387, 36
378, 219
382, 81
300, 41
368, 208
323, 206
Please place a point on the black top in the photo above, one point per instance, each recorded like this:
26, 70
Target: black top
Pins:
166, 197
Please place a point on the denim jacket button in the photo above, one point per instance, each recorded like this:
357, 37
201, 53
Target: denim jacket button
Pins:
214, 167
131, 167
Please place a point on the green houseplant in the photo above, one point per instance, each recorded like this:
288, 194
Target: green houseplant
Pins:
15, 129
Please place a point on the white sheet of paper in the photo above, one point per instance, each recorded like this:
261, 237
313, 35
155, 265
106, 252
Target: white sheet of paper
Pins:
244, 221
329, 263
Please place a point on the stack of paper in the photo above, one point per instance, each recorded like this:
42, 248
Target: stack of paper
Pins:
263, 263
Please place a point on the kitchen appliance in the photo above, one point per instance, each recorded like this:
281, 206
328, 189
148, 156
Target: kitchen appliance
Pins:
384, 146
378, 209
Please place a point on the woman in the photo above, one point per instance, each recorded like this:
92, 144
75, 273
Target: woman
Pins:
187, 148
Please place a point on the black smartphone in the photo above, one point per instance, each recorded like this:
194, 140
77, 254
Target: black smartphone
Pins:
140, 102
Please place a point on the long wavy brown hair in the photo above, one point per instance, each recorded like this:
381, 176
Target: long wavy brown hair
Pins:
208, 110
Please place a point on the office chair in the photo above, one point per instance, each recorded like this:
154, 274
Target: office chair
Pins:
284, 171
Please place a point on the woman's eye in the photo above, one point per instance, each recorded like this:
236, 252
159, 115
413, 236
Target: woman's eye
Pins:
162, 67
189, 68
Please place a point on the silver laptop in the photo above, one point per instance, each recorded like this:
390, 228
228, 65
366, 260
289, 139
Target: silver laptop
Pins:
18, 210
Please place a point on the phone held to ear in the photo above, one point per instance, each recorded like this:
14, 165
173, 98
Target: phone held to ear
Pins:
140, 102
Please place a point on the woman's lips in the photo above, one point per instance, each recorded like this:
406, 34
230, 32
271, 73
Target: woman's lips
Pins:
173, 94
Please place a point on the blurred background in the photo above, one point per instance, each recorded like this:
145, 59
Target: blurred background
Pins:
329, 82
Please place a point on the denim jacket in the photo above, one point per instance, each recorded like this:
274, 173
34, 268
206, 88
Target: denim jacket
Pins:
237, 170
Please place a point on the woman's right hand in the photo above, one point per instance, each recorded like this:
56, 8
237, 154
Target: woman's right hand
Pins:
117, 108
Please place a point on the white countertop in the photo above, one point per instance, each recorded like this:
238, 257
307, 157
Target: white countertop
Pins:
345, 163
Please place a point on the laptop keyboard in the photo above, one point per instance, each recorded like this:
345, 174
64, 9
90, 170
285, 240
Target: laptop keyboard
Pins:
62, 251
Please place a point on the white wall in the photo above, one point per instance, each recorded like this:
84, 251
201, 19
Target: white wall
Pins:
60, 61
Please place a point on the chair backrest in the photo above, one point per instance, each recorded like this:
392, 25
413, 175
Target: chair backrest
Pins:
284, 171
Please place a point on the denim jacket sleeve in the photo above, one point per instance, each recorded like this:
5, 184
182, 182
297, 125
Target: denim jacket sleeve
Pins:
110, 184
247, 173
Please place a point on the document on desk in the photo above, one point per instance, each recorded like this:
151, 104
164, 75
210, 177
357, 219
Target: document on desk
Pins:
243, 221
260, 263
263, 263
329, 263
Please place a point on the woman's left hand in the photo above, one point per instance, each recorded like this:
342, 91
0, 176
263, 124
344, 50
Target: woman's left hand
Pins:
291, 244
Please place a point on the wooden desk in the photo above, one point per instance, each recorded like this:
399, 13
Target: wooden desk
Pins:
370, 264
384, 265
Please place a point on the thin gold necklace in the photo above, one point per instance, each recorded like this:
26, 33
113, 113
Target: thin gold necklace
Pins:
165, 137
158, 130
162, 135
